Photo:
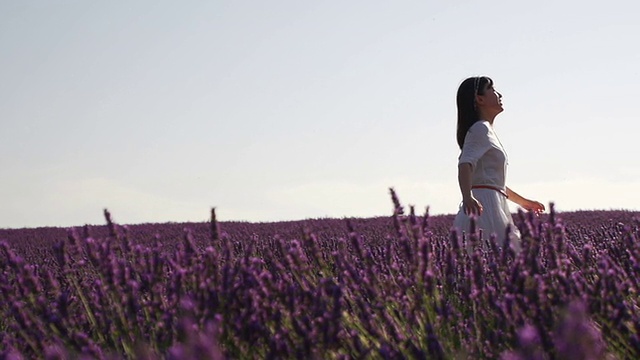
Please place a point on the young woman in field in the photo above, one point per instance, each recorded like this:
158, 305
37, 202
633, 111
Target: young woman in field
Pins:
482, 165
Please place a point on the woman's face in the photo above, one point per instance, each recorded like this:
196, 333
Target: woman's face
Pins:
490, 101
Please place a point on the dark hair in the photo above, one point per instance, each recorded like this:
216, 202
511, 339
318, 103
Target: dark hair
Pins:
466, 101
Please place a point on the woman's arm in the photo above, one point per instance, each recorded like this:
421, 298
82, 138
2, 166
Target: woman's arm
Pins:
527, 204
469, 203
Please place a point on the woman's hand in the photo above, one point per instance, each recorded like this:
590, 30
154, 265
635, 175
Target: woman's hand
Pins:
471, 206
534, 206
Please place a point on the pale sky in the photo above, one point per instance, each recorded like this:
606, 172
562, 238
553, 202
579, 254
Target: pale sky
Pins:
287, 110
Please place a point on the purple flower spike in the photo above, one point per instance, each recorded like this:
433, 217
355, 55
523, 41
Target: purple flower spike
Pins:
577, 337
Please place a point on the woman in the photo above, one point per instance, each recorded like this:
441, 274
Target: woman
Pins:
482, 164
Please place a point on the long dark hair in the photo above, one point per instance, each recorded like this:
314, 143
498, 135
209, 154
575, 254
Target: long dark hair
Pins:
466, 101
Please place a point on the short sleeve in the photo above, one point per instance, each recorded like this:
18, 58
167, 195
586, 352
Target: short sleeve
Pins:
476, 144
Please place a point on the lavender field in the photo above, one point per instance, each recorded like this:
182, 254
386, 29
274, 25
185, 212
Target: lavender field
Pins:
396, 287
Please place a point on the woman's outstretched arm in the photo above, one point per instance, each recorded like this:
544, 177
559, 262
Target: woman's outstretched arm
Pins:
527, 204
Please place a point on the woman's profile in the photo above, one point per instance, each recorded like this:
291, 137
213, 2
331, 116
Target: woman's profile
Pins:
482, 165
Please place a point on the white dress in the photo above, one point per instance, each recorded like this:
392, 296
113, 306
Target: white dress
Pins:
485, 153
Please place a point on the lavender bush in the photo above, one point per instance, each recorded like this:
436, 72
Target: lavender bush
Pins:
398, 287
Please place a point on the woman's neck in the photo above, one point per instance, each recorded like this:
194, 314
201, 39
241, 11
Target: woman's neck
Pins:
487, 117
